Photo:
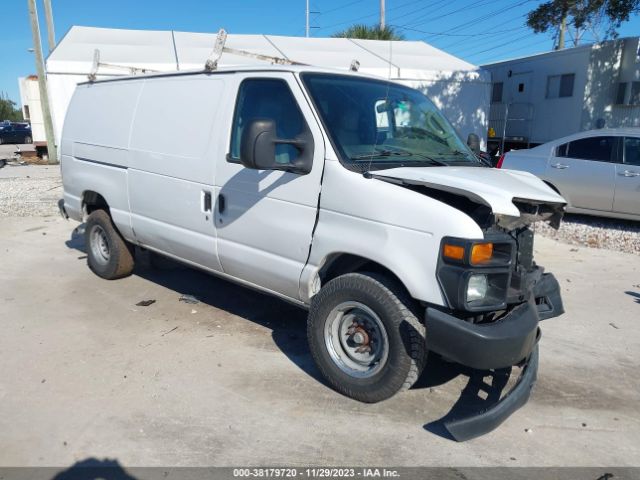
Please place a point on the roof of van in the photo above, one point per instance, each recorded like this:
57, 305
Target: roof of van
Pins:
227, 70
171, 51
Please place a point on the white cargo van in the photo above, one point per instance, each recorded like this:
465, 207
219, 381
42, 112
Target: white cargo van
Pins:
348, 195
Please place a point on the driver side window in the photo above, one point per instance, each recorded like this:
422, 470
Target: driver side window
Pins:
268, 98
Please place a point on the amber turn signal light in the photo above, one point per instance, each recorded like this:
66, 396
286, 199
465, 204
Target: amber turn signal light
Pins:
481, 253
454, 252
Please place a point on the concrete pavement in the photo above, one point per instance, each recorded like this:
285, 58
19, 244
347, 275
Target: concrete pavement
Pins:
229, 381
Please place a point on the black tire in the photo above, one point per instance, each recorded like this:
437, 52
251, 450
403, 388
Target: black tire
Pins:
406, 353
108, 255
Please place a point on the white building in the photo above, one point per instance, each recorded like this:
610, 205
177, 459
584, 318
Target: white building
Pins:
460, 89
31, 108
550, 95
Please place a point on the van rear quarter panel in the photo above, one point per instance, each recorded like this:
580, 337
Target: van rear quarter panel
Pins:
94, 146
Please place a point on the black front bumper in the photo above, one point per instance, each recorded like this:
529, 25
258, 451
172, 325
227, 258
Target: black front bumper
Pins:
475, 425
512, 340
484, 346
498, 344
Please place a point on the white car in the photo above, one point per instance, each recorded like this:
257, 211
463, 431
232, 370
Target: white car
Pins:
597, 171
350, 196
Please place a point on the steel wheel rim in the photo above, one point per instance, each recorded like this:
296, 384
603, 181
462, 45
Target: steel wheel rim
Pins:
356, 339
99, 244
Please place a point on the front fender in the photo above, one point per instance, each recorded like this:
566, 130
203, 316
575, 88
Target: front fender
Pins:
389, 224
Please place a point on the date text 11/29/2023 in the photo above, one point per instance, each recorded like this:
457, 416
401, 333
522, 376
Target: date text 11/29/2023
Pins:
316, 472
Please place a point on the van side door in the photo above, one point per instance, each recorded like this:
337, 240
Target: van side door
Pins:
265, 218
584, 172
173, 149
627, 196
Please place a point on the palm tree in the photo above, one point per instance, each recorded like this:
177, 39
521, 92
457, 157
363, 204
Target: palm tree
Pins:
365, 32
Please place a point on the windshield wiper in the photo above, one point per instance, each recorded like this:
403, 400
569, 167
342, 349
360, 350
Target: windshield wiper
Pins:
381, 153
453, 153
385, 153
458, 153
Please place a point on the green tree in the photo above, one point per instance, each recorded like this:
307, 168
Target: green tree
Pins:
8, 109
365, 32
579, 16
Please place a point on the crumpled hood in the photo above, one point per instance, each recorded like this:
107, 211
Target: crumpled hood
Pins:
492, 187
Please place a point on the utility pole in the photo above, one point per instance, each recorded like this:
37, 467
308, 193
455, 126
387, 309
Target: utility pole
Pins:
306, 29
381, 14
563, 28
307, 14
42, 83
563, 25
51, 34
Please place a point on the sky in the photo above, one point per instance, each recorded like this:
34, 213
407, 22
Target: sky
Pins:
478, 31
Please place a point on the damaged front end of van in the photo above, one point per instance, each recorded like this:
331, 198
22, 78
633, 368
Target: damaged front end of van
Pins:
495, 292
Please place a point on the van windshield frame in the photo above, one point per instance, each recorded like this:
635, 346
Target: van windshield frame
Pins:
377, 124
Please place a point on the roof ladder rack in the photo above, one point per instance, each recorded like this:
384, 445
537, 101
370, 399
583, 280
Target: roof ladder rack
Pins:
219, 48
97, 64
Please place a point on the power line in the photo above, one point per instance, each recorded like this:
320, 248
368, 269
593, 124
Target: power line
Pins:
488, 15
498, 34
486, 48
445, 34
410, 2
490, 27
423, 8
496, 42
447, 14
513, 50
341, 7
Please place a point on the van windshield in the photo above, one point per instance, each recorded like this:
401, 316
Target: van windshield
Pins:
375, 124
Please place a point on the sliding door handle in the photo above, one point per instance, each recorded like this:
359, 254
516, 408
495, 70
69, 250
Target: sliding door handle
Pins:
206, 202
222, 203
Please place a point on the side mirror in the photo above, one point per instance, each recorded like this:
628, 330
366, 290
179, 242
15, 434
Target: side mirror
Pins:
258, 148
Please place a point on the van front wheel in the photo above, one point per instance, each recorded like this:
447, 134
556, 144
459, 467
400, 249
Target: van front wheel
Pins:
365, 337
108, 254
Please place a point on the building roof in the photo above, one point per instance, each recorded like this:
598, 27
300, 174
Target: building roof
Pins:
556, 53
168, 51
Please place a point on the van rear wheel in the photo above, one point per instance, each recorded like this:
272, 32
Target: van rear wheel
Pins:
108, 254
365, 337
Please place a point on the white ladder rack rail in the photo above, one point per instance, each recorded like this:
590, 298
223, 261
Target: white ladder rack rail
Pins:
97, 64
211, 63
219, 48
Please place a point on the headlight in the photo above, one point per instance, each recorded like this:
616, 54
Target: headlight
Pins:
477, 287
475, 274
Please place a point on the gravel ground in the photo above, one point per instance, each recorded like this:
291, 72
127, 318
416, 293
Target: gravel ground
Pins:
33, 190
29, 190
595, 232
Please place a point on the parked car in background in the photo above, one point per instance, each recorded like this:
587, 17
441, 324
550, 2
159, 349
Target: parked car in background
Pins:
15, 133
597, 171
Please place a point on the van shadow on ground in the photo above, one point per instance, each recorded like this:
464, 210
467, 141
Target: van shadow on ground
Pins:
634, 295
94, 469
287, 323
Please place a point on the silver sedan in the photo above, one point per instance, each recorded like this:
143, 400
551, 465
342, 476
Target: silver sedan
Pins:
597, 171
